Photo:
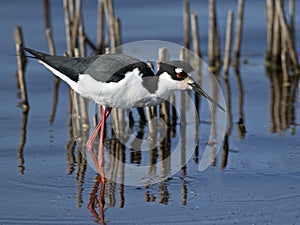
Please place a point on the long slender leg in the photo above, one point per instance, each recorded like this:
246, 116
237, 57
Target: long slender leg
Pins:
100, 167
91, 140
105, 113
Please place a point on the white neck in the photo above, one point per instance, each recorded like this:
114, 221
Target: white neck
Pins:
166, 84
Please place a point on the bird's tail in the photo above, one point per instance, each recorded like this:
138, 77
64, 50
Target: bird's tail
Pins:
35, 54
56, 65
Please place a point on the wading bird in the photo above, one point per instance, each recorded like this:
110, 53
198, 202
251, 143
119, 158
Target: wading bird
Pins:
118, 81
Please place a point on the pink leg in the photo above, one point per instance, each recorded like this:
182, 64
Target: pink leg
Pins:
89, 144
105, 113
100, 167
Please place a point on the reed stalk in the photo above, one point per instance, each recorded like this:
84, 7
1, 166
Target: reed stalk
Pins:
228, 42
195, 34
186, 23
21, 62
238, 33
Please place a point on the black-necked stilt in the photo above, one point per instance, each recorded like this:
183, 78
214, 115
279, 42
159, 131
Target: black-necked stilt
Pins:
119, 81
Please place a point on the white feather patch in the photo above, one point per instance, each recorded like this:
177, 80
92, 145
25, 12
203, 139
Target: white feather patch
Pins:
178, 70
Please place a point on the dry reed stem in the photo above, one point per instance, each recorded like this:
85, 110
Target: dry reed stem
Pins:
48, 30
163, 56
186, 23
100, 30
68, 27
21, 61
276, 48
270, 23
238, 33
286, 35
213, 37
50, 41
292, 21
228, 41
195, 34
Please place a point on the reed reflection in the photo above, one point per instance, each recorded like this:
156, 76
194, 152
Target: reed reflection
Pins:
241, 127
225, 151
55, 100
282, 101
241, 121
23, 137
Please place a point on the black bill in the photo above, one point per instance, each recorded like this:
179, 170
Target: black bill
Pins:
199, 90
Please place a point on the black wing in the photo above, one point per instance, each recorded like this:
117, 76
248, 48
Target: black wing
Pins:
70, 66
104, 68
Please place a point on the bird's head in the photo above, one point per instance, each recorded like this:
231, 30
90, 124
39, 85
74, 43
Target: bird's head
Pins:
176, 76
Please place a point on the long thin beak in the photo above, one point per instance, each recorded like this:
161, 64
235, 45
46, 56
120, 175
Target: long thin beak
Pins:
199, 90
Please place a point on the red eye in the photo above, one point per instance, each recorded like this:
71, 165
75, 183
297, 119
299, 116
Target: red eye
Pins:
180, 75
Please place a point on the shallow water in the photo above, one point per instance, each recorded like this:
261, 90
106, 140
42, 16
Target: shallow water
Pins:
45, 183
